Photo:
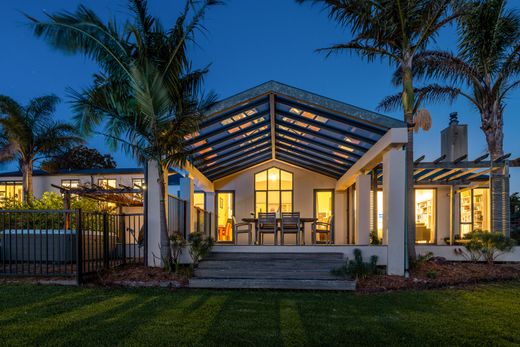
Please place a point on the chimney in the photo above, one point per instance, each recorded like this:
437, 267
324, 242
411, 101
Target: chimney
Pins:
454, 139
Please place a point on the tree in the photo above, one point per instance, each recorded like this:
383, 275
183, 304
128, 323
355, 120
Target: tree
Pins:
396, 31
78, 158
147, 93
29, 134
485, 71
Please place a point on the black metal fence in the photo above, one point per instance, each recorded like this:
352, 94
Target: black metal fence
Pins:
68, 242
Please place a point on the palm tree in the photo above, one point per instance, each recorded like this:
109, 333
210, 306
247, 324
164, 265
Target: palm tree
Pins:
28, 134
147, 97
485, 71
396, 31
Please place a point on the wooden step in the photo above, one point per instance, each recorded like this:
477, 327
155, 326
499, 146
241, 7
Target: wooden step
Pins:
273, 256
279, 264
236, 283
252, 274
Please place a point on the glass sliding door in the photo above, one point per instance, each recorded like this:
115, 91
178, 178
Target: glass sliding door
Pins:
474, 211
225, 206
425, 210
323, 211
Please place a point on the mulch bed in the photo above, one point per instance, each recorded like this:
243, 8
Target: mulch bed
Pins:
134, 275
435, 274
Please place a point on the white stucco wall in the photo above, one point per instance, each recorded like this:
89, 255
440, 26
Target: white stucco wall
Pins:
304, 183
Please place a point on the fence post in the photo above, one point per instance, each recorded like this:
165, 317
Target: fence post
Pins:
105, 240
79, 247
122, 227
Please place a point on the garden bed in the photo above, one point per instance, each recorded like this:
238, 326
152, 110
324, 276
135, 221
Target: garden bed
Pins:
134, 275
432, 274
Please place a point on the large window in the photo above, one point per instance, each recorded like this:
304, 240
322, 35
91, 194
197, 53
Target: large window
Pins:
138, 183
474, 210
107, 183
273, 191
11, 190
70, 183
425, 215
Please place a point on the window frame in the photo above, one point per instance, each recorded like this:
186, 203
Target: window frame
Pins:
472, 214
107, 185
267, 190
332, 221
7, 183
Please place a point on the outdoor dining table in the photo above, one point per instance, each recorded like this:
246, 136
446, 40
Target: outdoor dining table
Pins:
303, 220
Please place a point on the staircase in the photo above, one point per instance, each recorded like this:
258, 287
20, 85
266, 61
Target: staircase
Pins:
306, 271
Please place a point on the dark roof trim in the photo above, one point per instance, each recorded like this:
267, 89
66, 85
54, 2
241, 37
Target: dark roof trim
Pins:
311, 98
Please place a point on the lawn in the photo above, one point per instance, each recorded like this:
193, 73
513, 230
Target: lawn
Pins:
69, 316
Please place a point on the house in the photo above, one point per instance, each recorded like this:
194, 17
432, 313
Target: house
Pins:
276, 148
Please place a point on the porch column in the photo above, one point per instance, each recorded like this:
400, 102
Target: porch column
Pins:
394, 194
362, 220
187, 189
153, 217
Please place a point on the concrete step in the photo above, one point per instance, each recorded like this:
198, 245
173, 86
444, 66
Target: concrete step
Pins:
237, 283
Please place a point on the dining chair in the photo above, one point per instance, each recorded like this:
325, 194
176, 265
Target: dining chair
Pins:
266, 225
291, 224
242, 228
323, 228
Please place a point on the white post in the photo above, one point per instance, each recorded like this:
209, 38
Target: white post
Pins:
394, 194
187, 189
153, 219
362, 219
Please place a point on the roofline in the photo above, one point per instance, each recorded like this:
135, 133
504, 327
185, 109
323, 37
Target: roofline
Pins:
317, 100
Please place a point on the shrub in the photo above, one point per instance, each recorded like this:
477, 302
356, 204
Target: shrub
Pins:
374, 239
54, 201
177, 244
200, 245
421, 259
356, 268
432, 274
487, 246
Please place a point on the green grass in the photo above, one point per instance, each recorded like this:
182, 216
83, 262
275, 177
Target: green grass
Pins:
68, 316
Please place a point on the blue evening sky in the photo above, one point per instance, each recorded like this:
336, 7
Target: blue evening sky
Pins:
247, 42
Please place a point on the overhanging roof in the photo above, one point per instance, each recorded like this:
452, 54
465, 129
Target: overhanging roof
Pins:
276, 121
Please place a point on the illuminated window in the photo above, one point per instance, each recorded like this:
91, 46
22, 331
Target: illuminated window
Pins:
138, 183
199, 200
323, 211
474, 210
107, 183
273, 191
70, 183
11, 190
225, 212
380, 214
425, 215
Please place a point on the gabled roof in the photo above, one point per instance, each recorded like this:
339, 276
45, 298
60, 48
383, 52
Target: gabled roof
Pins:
277, 121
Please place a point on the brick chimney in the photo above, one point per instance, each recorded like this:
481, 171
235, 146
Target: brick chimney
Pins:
454, 139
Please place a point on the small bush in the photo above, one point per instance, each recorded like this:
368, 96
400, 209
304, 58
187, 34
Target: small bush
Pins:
356, 268
200, 245
374, 238
487, 246
177, 244
431, 274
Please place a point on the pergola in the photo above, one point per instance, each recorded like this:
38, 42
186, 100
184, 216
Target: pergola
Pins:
121, 196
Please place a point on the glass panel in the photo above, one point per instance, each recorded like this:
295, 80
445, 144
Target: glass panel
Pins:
273, 201
225, 217
380, 214
261, 180
323, 207
273, 182
286, 180
138, 182
11, 190
286, 201
481, 215
425, 215
70, 183
199, 200
261, 202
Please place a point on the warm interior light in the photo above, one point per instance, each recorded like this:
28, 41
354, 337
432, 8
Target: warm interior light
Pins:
273, 177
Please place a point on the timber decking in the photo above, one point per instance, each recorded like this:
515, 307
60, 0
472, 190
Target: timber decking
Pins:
303, 271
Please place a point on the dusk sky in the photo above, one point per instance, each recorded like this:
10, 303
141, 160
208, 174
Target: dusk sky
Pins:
246, 42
